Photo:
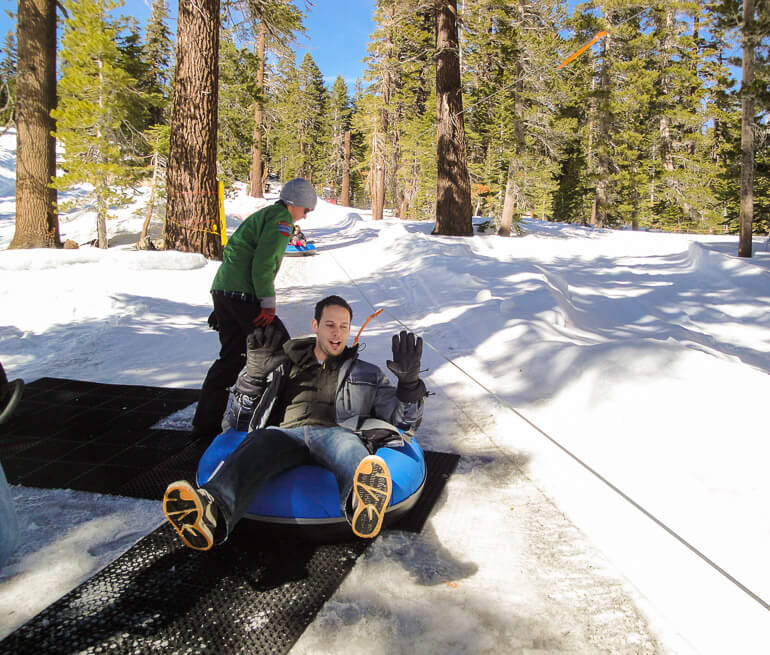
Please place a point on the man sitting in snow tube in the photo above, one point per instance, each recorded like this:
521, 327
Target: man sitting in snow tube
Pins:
308, 388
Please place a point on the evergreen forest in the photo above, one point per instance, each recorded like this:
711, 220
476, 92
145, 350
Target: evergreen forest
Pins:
646, 128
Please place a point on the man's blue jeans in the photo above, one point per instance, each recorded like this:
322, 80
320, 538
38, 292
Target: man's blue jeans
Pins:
269, 451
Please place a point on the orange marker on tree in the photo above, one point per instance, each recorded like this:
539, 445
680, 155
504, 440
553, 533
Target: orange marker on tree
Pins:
598, 37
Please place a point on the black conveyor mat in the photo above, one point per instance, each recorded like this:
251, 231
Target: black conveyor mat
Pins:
254, 594
91, 436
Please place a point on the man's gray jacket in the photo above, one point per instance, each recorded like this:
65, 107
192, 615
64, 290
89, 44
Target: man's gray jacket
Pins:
365, 399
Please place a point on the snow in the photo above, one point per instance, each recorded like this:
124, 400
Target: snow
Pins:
607, 391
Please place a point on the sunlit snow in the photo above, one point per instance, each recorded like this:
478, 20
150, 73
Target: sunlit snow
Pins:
607, 391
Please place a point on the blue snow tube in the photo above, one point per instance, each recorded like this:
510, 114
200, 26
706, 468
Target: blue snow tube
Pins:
300, 251
307, 496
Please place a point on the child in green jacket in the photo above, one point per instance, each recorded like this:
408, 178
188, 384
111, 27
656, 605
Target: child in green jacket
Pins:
243, 293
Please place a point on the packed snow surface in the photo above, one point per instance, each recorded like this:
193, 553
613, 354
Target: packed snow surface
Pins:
607, 391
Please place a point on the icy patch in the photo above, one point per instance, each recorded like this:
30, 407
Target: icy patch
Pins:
181, 420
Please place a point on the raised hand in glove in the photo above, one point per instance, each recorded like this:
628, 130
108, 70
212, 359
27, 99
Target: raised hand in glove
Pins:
263, 351
265, 317
407, 352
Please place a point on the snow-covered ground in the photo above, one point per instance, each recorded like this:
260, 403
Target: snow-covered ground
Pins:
606, 389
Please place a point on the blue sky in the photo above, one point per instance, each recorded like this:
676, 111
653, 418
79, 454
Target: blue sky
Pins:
336, 37
337, 34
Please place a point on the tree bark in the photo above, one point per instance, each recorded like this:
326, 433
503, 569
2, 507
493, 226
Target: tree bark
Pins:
345, 194
510, 201
667, 47
192, 217
599, 208
453, 198
747, 133
151, 203
378, 176
256, 187
37, 221
379, 158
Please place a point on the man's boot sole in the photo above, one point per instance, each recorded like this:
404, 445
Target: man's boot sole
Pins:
372, 487
183, 509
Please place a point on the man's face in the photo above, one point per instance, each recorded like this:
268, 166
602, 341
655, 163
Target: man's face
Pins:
298, 213
332, 332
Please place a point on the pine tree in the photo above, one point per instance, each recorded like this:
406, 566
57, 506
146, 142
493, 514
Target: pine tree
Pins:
357, 192
630, 119
297, 120
683, 186
192, 217
398, 124
7, 79
275, 23
743, 163
132, 60
282, 115
312, 129
95, 100
411, 138
453, 195
723, 115
37, 222
158, 137
158, 49
516, 135
339, 123
258, 169
382, 71
236, 97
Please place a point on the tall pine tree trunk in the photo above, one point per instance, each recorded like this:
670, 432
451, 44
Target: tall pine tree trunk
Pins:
256, 187
379, 152
395, 163
151, 202
512, 190
747, 133
453, 199
345, 195
378, 174
37, 223
192, 217
509, 203
667, 47
599, 209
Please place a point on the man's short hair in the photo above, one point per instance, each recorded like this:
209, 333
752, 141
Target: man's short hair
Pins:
331, 300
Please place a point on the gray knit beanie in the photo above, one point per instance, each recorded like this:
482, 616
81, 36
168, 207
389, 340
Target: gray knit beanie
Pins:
299, 192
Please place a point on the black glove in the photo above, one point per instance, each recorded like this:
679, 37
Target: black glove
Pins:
213, 321
263, 351
407, 351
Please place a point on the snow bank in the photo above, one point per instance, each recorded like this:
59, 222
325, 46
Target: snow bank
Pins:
38, 260
710, 261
